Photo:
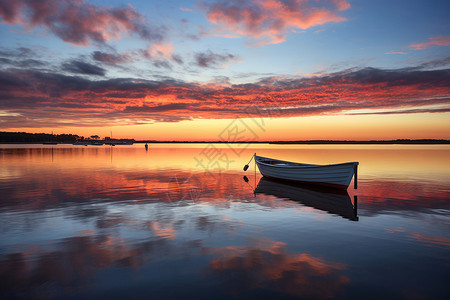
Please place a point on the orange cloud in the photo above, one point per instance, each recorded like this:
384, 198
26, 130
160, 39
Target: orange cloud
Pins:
438, 41
160, 50
269, 21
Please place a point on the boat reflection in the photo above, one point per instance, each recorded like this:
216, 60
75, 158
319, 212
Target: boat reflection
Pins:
329, 200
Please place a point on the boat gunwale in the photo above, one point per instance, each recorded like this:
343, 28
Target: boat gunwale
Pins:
298, 165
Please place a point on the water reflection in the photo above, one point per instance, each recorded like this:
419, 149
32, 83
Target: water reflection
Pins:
329, 200
266, 265
71, 265
113, 222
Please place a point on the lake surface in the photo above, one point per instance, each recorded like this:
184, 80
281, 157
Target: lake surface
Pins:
179, 220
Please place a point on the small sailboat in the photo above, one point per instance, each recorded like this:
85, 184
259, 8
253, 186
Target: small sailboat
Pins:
334, 175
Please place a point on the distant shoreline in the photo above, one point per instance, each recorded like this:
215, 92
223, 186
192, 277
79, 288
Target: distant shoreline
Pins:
412, 142
389, 142
312, 142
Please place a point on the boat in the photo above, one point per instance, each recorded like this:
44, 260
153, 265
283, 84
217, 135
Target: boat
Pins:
336, 176
89, 143
332, 201
114, 142
97, 143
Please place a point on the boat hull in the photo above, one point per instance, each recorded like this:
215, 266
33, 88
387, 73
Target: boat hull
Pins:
336, 176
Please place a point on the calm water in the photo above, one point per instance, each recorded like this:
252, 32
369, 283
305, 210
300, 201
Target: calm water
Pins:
180, 221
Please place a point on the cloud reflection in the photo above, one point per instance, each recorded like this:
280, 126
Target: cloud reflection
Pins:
267, 265
71, 265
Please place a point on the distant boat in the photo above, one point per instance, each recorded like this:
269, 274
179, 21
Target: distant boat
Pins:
330, 200
335, 175
89, 143
97, 143
119, 142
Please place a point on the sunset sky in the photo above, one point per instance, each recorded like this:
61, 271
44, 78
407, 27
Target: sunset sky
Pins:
226, 70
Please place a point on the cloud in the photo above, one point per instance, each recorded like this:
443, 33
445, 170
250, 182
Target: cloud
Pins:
21, 52
161, 54
77, 22
396, 52
210, 59
160, 108
433, 41
21, 57
269, 21
110, 58
440, 62
22, 63
34, 97
406, 111
341, 4
80, 67
160, 50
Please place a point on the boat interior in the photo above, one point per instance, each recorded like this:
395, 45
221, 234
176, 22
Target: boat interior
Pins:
281, 162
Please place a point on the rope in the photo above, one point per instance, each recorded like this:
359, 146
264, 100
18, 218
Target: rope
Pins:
251, 159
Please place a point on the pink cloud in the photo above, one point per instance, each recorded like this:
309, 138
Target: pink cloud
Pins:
164, 50
437, 40
269, 21
77, 22
341, 4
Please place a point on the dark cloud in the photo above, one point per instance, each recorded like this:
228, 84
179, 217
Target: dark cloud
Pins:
408, 111
25, 64
20, 52
209, 59
5, 61
80, 67
110, 58
177, 59
78, 22
436, 63
398, 77
21, 57
162, 64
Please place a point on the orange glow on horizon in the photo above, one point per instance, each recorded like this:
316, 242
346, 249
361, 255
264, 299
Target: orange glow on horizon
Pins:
325, 127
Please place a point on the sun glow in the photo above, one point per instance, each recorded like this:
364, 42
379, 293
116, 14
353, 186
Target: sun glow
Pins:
325, 127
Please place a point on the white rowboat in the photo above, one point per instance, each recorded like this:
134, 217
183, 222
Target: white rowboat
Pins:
335, 175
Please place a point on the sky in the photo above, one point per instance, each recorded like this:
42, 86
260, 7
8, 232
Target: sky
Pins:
226, 70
